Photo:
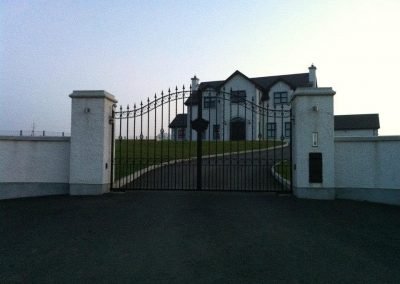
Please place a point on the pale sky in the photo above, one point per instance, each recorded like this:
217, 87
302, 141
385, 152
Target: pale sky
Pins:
134, 49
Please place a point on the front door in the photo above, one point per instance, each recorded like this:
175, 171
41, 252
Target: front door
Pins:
238, 130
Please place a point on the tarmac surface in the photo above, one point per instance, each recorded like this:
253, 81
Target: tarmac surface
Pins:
197, 237
249, 171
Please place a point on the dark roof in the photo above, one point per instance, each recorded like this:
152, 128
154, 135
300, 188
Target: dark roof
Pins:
263, 83
293, 80
212, 84
357, 121
193, 99
180, 121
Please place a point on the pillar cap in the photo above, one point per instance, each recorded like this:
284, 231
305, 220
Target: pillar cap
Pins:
307, 91
89, 94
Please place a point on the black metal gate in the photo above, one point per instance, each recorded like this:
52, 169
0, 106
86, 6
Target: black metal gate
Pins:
202, 140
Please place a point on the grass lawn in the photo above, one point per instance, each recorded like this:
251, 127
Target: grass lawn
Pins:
283, 169
133, 155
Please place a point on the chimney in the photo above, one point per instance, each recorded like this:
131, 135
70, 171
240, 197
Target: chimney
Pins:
312, 76
195, 83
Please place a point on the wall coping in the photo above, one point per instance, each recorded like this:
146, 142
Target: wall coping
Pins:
368, 139
35, 138
89, 94
307, 91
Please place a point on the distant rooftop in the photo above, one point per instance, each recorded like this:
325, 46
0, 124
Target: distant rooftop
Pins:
180, 121
357, 121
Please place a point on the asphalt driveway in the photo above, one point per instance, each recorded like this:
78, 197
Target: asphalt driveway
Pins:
198, 237
249, 171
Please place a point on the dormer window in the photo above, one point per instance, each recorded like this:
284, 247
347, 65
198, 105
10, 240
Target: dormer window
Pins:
280, 98
238, 97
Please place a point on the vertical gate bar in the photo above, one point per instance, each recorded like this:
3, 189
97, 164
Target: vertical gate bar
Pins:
209, 139
189, 126
176, 140
230, 141
155, 141
245, 145
223, 139
252, 141
112, 148
199, 142
273, 163
237, 147
134, 146
169, 137
162, 139
120, 147
131, 176
291, 150
269, 186
282, 140
132, 151
141, 145
183, 138
127, 147
216, 134
147, 144
261, 136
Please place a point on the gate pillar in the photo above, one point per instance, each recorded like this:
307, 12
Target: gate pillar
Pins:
313, 143
90, 151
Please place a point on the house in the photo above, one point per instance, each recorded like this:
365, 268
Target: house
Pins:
361, 125
243, 108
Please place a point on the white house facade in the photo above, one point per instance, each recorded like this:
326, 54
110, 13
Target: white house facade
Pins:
243, 108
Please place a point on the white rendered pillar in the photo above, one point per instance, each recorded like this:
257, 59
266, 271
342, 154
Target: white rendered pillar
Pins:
313, 132
90, 153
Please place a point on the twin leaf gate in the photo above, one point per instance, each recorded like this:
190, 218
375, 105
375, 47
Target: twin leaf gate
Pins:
202, 140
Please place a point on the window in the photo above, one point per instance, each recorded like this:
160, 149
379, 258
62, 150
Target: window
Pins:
280, 98
210, 102
181, 133
287, 129
271, 130
216, 132
238, 97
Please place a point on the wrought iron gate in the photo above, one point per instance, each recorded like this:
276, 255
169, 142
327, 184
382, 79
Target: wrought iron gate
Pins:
202, 140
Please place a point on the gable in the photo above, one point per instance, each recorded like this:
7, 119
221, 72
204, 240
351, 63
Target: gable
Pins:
279, 86
293, 81
239, 82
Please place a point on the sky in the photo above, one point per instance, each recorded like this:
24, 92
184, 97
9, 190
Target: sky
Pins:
134, 49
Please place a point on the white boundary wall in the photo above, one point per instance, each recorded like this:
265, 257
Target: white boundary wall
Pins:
80, 165
356, 133
367, 168
34, 166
